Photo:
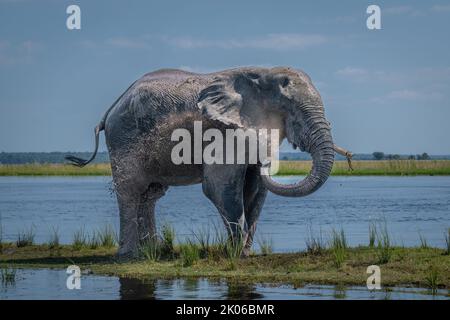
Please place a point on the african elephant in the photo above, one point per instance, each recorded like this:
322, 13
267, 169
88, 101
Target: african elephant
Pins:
138, 129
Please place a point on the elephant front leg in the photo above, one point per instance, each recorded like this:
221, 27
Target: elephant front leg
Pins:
254, 196
223, 185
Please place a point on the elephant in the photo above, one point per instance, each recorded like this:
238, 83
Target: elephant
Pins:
139, 124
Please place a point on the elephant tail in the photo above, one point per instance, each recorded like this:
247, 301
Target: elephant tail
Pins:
82, 162
101, 126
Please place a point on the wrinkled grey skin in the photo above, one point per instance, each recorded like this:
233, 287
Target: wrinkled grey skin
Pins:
139, 125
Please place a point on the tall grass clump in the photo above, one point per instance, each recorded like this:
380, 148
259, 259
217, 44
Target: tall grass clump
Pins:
447, 241
338, 246
189, 253
265, 245
80, 239
432, 279
233, 250
204, 240
107, 237
423, 242
150, 249
168, 240
8, 275
384, 248
372, 234
25, 238
94, 240
1, 234
314, 245
53, 241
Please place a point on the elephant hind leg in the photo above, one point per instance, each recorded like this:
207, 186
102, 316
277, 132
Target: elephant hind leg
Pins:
146, 211
137, 217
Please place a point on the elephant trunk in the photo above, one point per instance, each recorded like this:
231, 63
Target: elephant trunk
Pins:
315, 139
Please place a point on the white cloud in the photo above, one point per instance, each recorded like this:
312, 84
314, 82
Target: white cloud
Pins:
414, 95
123, 42
287, 41
441, 8
14, 53
398, 10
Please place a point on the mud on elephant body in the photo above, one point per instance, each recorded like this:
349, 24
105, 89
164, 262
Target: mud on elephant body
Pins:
138, 128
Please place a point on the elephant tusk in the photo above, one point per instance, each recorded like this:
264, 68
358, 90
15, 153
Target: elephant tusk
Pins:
346, 154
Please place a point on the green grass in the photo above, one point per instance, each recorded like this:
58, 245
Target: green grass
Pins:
432, 279
168, 240
338, 247
408, 267
340, 168
265, 244
53, 241
1, 234
102, 169
189, 253
373, 168
447, 241
80, 239
25, 238
384, 246
423, 241
372, 234
150, 250
315, 245
107, 237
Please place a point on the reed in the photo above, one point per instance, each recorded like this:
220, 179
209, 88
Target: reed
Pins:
265, 244
150, 250
372, 234
53, 241
338, 246
168, 240
190, 253
447, 241
384, 248
94, 240
107, 237
1, 234
80, 239
25, 238
423, 242
432, 279
315, 245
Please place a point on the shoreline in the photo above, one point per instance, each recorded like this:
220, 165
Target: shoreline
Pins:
287, 168
408, 267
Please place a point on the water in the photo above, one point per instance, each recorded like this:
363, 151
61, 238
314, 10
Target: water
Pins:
51, 284
410, 205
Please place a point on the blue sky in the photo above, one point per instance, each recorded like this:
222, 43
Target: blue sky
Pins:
385, 89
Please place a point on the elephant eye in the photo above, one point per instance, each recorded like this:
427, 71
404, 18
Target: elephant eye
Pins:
285, 82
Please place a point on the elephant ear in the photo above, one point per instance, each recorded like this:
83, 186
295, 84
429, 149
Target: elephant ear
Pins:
222, 100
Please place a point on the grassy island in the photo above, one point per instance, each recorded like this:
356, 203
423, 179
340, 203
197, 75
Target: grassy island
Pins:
340, 168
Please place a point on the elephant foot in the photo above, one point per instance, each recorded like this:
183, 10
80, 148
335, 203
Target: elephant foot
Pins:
126, 253
246, 252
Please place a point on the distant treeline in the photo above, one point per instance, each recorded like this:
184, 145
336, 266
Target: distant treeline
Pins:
102, 157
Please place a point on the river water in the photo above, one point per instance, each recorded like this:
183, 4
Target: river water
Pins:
411, 207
